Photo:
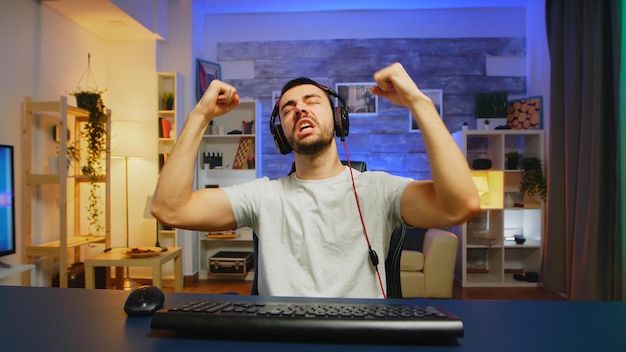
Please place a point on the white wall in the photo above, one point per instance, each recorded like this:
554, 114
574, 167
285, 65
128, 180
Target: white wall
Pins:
432, 23
44, 56
132, 95
526, 20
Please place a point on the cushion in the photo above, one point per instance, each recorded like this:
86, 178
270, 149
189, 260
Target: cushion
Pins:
411, 261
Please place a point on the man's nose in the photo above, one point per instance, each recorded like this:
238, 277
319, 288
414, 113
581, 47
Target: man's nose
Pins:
300, 108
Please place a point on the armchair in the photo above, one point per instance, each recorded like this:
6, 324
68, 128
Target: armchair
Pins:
430, 273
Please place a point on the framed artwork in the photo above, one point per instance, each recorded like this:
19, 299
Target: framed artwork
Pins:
206, 71
56, 133
525, 113
436, 95
275, 97
359, 99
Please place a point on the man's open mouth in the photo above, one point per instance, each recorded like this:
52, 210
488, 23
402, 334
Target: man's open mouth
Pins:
304, 127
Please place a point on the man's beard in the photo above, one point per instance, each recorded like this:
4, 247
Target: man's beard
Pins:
310, 146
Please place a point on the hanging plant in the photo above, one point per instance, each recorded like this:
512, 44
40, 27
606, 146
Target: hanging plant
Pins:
533, 181
94, 133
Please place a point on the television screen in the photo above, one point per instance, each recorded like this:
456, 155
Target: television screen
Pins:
7, 201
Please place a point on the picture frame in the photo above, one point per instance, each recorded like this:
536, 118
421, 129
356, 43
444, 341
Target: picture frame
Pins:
275, 97
206, 71
358, 97
56, 133
525, 113
436, 95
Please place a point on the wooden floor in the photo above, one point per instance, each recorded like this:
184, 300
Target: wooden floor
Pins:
476, 293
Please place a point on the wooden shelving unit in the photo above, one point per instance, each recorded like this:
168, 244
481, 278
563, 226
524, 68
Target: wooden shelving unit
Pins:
487, 256
218, 142
168, 82
38, 121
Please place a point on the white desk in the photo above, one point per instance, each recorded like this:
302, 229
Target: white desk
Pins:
15, 269
116, 257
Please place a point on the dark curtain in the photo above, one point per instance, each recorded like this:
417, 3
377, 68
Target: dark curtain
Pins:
582, 244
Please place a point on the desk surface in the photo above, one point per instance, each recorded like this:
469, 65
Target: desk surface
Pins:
67, 319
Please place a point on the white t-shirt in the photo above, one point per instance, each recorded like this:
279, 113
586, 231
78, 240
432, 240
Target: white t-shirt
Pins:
311, 241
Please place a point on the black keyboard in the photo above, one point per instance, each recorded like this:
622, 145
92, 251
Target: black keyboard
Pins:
310, 319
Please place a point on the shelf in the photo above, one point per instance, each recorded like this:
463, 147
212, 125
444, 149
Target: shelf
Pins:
239, 238
54, 107
53, 248
502, 132
89, 179
483, 280
496, 221
528, 244
227, 136
483, 246
16, 269
227, 146
167, 113
42, 179
63, 201
170, 82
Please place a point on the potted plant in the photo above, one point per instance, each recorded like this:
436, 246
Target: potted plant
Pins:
167, 100
533, 180
72, 154
512, 159
95, 136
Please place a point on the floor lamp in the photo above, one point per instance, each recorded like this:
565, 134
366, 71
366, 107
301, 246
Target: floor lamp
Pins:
126, 145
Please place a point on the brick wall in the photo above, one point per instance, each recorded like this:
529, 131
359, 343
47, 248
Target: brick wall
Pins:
456, 65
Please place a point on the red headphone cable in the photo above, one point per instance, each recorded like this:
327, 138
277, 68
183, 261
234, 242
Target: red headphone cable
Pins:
372, 253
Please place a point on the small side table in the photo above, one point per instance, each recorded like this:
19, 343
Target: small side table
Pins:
14, 269
115, 257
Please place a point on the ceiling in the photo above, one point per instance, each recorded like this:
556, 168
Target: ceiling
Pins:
257, 6
109, 22
102, 18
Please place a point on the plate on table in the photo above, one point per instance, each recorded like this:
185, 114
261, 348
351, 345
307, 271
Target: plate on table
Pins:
141, 252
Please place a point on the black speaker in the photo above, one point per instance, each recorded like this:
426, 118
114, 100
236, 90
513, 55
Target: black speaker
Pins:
481, 164
76, 277
340, 117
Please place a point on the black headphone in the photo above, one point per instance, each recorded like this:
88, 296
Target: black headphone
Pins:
340, 117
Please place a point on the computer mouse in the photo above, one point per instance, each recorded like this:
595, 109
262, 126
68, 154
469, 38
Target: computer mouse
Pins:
144, 301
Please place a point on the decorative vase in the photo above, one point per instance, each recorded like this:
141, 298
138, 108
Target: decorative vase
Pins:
508, 201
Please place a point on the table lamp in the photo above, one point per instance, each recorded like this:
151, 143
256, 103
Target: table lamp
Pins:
126, 145
482, 185
490, 188
148, 215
